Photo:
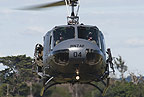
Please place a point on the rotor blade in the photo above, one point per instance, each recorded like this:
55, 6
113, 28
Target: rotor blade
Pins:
54, 4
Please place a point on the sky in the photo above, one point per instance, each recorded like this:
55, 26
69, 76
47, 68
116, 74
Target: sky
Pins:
121, 21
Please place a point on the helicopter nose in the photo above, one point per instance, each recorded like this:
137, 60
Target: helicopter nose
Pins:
77, 56
77, 52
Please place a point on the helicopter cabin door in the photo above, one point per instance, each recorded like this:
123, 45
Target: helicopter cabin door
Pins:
48, 43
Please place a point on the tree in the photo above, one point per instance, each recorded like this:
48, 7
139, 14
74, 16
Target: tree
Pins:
18, 74
120, 66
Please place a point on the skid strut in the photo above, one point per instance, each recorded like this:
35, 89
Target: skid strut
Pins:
47, 85
101, 90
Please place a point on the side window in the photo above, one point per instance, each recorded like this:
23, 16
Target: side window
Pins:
102, 42
104, 46
99, 42
50, 42
46, 43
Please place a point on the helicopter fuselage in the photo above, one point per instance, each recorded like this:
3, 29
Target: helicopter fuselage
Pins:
78, 56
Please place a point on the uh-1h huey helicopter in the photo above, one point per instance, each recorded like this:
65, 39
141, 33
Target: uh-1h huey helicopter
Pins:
72, 53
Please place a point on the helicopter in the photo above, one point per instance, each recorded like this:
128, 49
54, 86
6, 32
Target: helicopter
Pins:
72, 53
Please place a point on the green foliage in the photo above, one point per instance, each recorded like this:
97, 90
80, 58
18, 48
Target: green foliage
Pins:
3, 89
36, 89
58, 91
24, 89
125, 89
120, 66
121, 89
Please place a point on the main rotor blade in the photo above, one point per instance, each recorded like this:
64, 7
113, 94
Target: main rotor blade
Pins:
54, 4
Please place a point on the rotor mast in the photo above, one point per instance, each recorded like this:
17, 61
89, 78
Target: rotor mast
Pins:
73, 18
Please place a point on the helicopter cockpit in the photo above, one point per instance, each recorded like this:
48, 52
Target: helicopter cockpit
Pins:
91, 33
69, 32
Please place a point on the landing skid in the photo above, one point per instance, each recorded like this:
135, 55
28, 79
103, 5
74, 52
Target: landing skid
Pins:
106, 84
49, 83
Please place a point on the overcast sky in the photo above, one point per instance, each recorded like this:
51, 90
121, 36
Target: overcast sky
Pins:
121, 21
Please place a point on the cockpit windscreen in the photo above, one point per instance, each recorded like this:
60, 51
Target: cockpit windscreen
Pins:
63, 33
88, 33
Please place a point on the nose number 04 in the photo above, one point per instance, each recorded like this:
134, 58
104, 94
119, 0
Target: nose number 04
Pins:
77, 54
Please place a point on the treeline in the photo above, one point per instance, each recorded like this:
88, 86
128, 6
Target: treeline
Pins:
19, 79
